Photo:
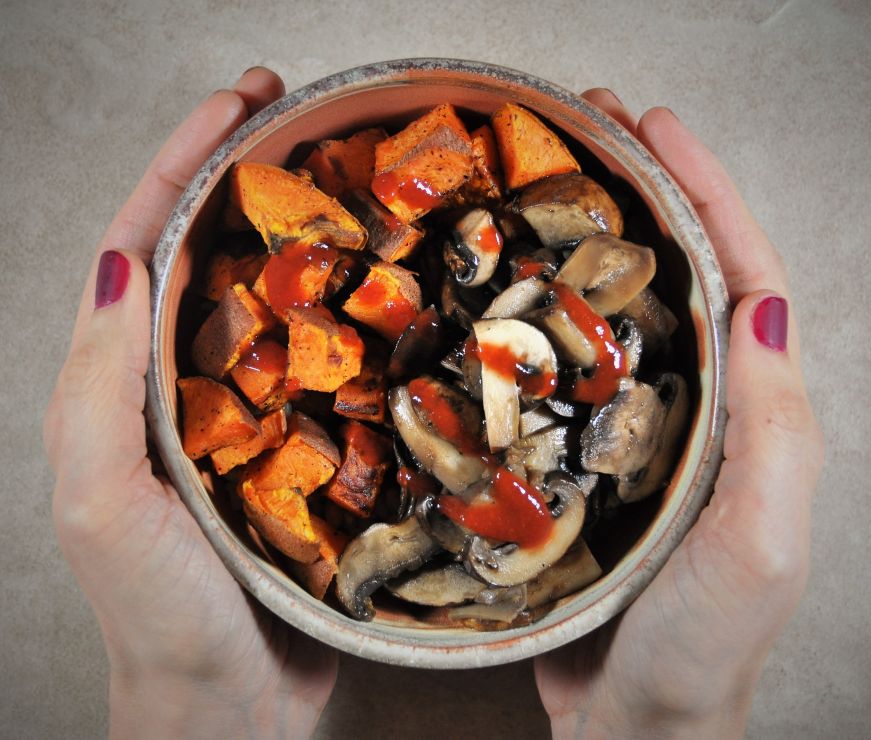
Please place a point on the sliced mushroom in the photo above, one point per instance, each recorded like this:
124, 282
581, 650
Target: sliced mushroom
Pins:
473, 250
540, 263
512, 565
571, 344
622, 437
628, 336
380, 553
653, 319
453, 537
422, 341
517, 299
609, 271
672, 389
572, 572
564, 209
527, 348
455, 470
540, 452
538, 418
493, 605
449, 584
449, 405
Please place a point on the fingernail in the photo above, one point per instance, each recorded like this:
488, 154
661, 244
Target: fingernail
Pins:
256, 66
112, 276
671, 112
613, 94
770, 322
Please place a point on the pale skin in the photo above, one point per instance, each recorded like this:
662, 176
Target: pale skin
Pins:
191, 655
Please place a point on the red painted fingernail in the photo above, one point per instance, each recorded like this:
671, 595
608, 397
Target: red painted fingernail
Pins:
770, 322
112, 277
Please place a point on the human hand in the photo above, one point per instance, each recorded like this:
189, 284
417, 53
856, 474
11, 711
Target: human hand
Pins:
190, 654
684, 659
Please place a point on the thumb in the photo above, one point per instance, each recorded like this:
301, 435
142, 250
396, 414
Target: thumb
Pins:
94, 428
773, 447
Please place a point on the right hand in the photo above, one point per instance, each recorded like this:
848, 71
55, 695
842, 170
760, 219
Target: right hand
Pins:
684, 659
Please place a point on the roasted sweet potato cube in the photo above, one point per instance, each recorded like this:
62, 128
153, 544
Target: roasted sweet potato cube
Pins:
213, 417
322, 354
387, 301
365, 458
273, 428
296, 277
286, 207
317, 576
303, 463
261, 374
281, 517
419, 166
340, 165
485, 183
225, 270
237, 321
528, 149
364, 397
389, 238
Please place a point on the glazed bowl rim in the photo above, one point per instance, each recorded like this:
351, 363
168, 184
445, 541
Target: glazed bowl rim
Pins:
413, 646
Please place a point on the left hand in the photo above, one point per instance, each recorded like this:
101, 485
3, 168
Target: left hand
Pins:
190, 654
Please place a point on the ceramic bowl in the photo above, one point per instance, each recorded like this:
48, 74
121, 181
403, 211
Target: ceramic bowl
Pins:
393, 93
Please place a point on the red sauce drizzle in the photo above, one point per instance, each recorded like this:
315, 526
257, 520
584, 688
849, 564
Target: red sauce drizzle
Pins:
416, 484
602, 386
517, 513
265, 355
394, 312
296, 276
507, 364
413, 192
489, 239
527, 268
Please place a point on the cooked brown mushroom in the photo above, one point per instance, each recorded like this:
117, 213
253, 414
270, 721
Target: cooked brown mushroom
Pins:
672, 389
453, 537
527, 349
455, 470
442, 586
540, 452
628, 336
418, 345
564, 209
512, 565
653, 318
572, 572
461, 305
492, 605
380, 553
609, 271
622, 437
571, 345
517, 299
473, 250
538, 418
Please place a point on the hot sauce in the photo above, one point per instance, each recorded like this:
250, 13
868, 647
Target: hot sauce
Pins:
489, 239
517, 511
413, 192
506, 363
394, 312
602, 386
297, 276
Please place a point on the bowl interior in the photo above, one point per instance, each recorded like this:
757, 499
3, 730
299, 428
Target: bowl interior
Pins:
633, 547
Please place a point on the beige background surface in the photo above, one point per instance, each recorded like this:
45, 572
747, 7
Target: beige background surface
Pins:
780, 91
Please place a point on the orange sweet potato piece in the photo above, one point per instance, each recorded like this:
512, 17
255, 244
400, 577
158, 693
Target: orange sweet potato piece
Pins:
273, 427
387, 301
297, 276
389, 238
486, 168
261, 374
305, 461
237, 321
213, 417
419, 166
225, 270
364, 397
322, 354
317, 576
365, 459
529, 150
345, 164
286, 207
281, 517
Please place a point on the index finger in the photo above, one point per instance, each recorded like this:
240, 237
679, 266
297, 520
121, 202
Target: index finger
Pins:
747, 258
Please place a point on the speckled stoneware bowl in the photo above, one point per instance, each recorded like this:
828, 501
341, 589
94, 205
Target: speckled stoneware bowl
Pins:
688, 280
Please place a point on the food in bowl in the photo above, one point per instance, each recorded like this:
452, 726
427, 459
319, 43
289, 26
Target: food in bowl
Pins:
460, 313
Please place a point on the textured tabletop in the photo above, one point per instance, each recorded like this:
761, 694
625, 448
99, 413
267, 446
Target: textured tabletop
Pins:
781, 91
